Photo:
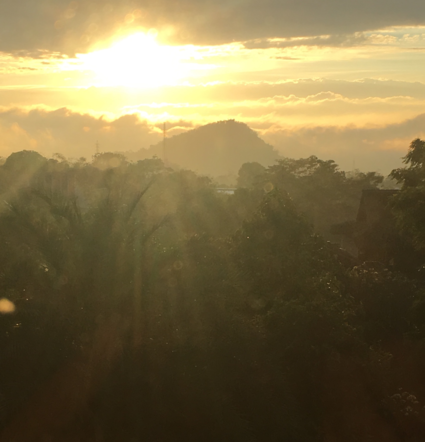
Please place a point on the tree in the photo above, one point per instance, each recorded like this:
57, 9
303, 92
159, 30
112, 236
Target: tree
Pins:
165, 301
23, 168
409, 204
325, 194
249, 174
109, 160
414, 174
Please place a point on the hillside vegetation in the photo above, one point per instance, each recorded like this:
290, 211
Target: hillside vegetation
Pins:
214, 149
138, 303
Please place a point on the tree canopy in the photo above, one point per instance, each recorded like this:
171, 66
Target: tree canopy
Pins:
147, 305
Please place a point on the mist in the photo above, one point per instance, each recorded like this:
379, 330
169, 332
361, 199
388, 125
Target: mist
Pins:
212, 221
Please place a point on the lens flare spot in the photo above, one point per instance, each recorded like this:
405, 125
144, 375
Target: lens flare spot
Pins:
268, 187
269, 234
178, 265
6, 306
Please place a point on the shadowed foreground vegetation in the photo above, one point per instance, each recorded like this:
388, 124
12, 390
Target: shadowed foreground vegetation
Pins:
149, 307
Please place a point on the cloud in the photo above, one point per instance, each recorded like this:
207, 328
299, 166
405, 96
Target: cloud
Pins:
74, 134
28, 26
349, 121
71, 133
287, 58
306, 102
381, 38
116, 100
367, 148
337, 40
322, 108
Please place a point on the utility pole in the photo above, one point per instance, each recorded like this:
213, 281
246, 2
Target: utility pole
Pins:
97, 147
164, 156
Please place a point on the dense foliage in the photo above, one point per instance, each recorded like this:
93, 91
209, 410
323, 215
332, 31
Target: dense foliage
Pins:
322, 192
148, 306
409, 205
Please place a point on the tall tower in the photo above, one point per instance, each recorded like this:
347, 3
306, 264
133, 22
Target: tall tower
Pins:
164, 155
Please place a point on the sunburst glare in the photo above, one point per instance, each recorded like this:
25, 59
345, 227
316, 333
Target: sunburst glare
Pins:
136, 61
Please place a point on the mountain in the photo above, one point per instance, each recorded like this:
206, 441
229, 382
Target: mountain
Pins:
215, 149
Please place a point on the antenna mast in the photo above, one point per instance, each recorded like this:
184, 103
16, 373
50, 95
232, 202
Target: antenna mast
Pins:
164, 156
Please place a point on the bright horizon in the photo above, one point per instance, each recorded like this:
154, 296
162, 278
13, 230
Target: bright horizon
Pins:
355, 96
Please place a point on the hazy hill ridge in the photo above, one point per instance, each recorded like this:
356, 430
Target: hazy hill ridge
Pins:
214, 149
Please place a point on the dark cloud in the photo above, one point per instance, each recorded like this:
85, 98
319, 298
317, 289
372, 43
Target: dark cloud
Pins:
27, 26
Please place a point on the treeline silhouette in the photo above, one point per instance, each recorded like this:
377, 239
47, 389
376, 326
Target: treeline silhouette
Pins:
138, 303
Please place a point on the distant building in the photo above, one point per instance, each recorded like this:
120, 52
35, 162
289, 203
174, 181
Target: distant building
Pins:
368, 236
374, 206
375, 235
226, 190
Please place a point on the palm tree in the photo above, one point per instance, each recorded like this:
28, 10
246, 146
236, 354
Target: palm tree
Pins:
77, 276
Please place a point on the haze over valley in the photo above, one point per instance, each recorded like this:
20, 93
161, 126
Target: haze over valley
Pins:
212, 220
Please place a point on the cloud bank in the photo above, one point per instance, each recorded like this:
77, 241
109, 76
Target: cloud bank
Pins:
70, 133
75, 135
31, 27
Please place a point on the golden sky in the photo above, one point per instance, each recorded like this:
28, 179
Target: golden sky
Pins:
339, 79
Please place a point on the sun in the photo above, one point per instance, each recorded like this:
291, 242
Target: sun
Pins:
136, 61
